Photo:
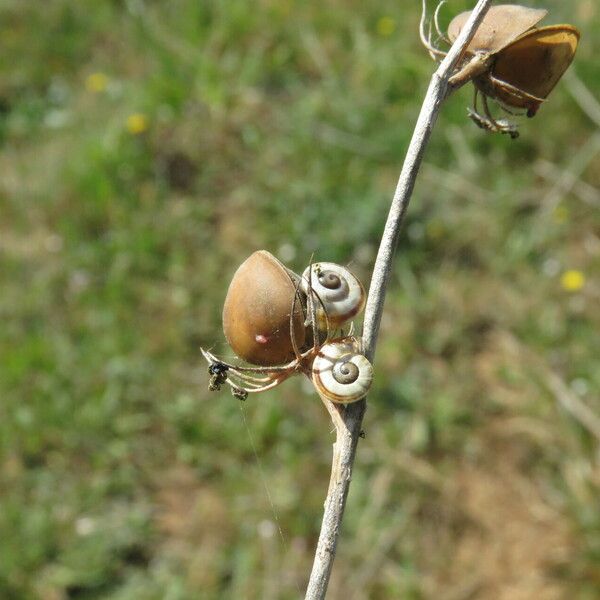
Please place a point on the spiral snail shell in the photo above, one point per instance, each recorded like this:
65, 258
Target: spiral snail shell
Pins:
340, 295
340, 373
257, 309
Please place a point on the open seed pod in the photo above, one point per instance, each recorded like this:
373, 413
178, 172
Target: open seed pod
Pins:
527, 62
509, 59
501, 25
515, 63
257, 309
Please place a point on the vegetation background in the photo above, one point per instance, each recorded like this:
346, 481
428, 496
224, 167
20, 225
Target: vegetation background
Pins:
147, 148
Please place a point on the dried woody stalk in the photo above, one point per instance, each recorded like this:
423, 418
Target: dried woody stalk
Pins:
347, 419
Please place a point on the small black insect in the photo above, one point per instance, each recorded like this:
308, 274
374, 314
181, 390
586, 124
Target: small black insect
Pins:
218, 375
218, 368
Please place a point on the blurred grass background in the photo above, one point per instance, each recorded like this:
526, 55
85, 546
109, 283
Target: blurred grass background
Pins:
147, 148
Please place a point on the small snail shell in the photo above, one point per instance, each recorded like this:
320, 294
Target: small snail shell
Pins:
341, 373
341, 296
256, 313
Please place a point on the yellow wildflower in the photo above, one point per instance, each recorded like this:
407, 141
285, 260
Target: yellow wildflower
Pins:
560, 214
137, 123
386, 26
572, 280
96, 82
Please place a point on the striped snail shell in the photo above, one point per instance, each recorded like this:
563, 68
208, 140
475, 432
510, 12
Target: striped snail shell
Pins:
340, 296
341, 373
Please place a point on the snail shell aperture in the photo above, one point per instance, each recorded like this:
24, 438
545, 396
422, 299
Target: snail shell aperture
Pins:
256, 313
340, 373
340, 295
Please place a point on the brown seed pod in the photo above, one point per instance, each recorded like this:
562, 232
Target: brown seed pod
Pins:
511, 61
257, 311
501, 25
525, 72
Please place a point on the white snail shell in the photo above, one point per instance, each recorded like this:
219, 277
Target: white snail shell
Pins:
341, 373
340, 295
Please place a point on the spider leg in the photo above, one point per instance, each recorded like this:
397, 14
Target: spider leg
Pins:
509, 111
212, 359
515, 90
479, 120
250, 382
244, 380
533, 102
489, 123
251, 379
254, 390
502, 126
260, 384
474, 113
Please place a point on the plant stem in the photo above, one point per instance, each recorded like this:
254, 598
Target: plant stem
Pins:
348, 419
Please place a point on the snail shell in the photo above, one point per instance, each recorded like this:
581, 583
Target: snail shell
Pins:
341, 373
341, 295
257, 309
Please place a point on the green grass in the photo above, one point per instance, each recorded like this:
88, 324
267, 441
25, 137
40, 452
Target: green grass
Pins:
282, 125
